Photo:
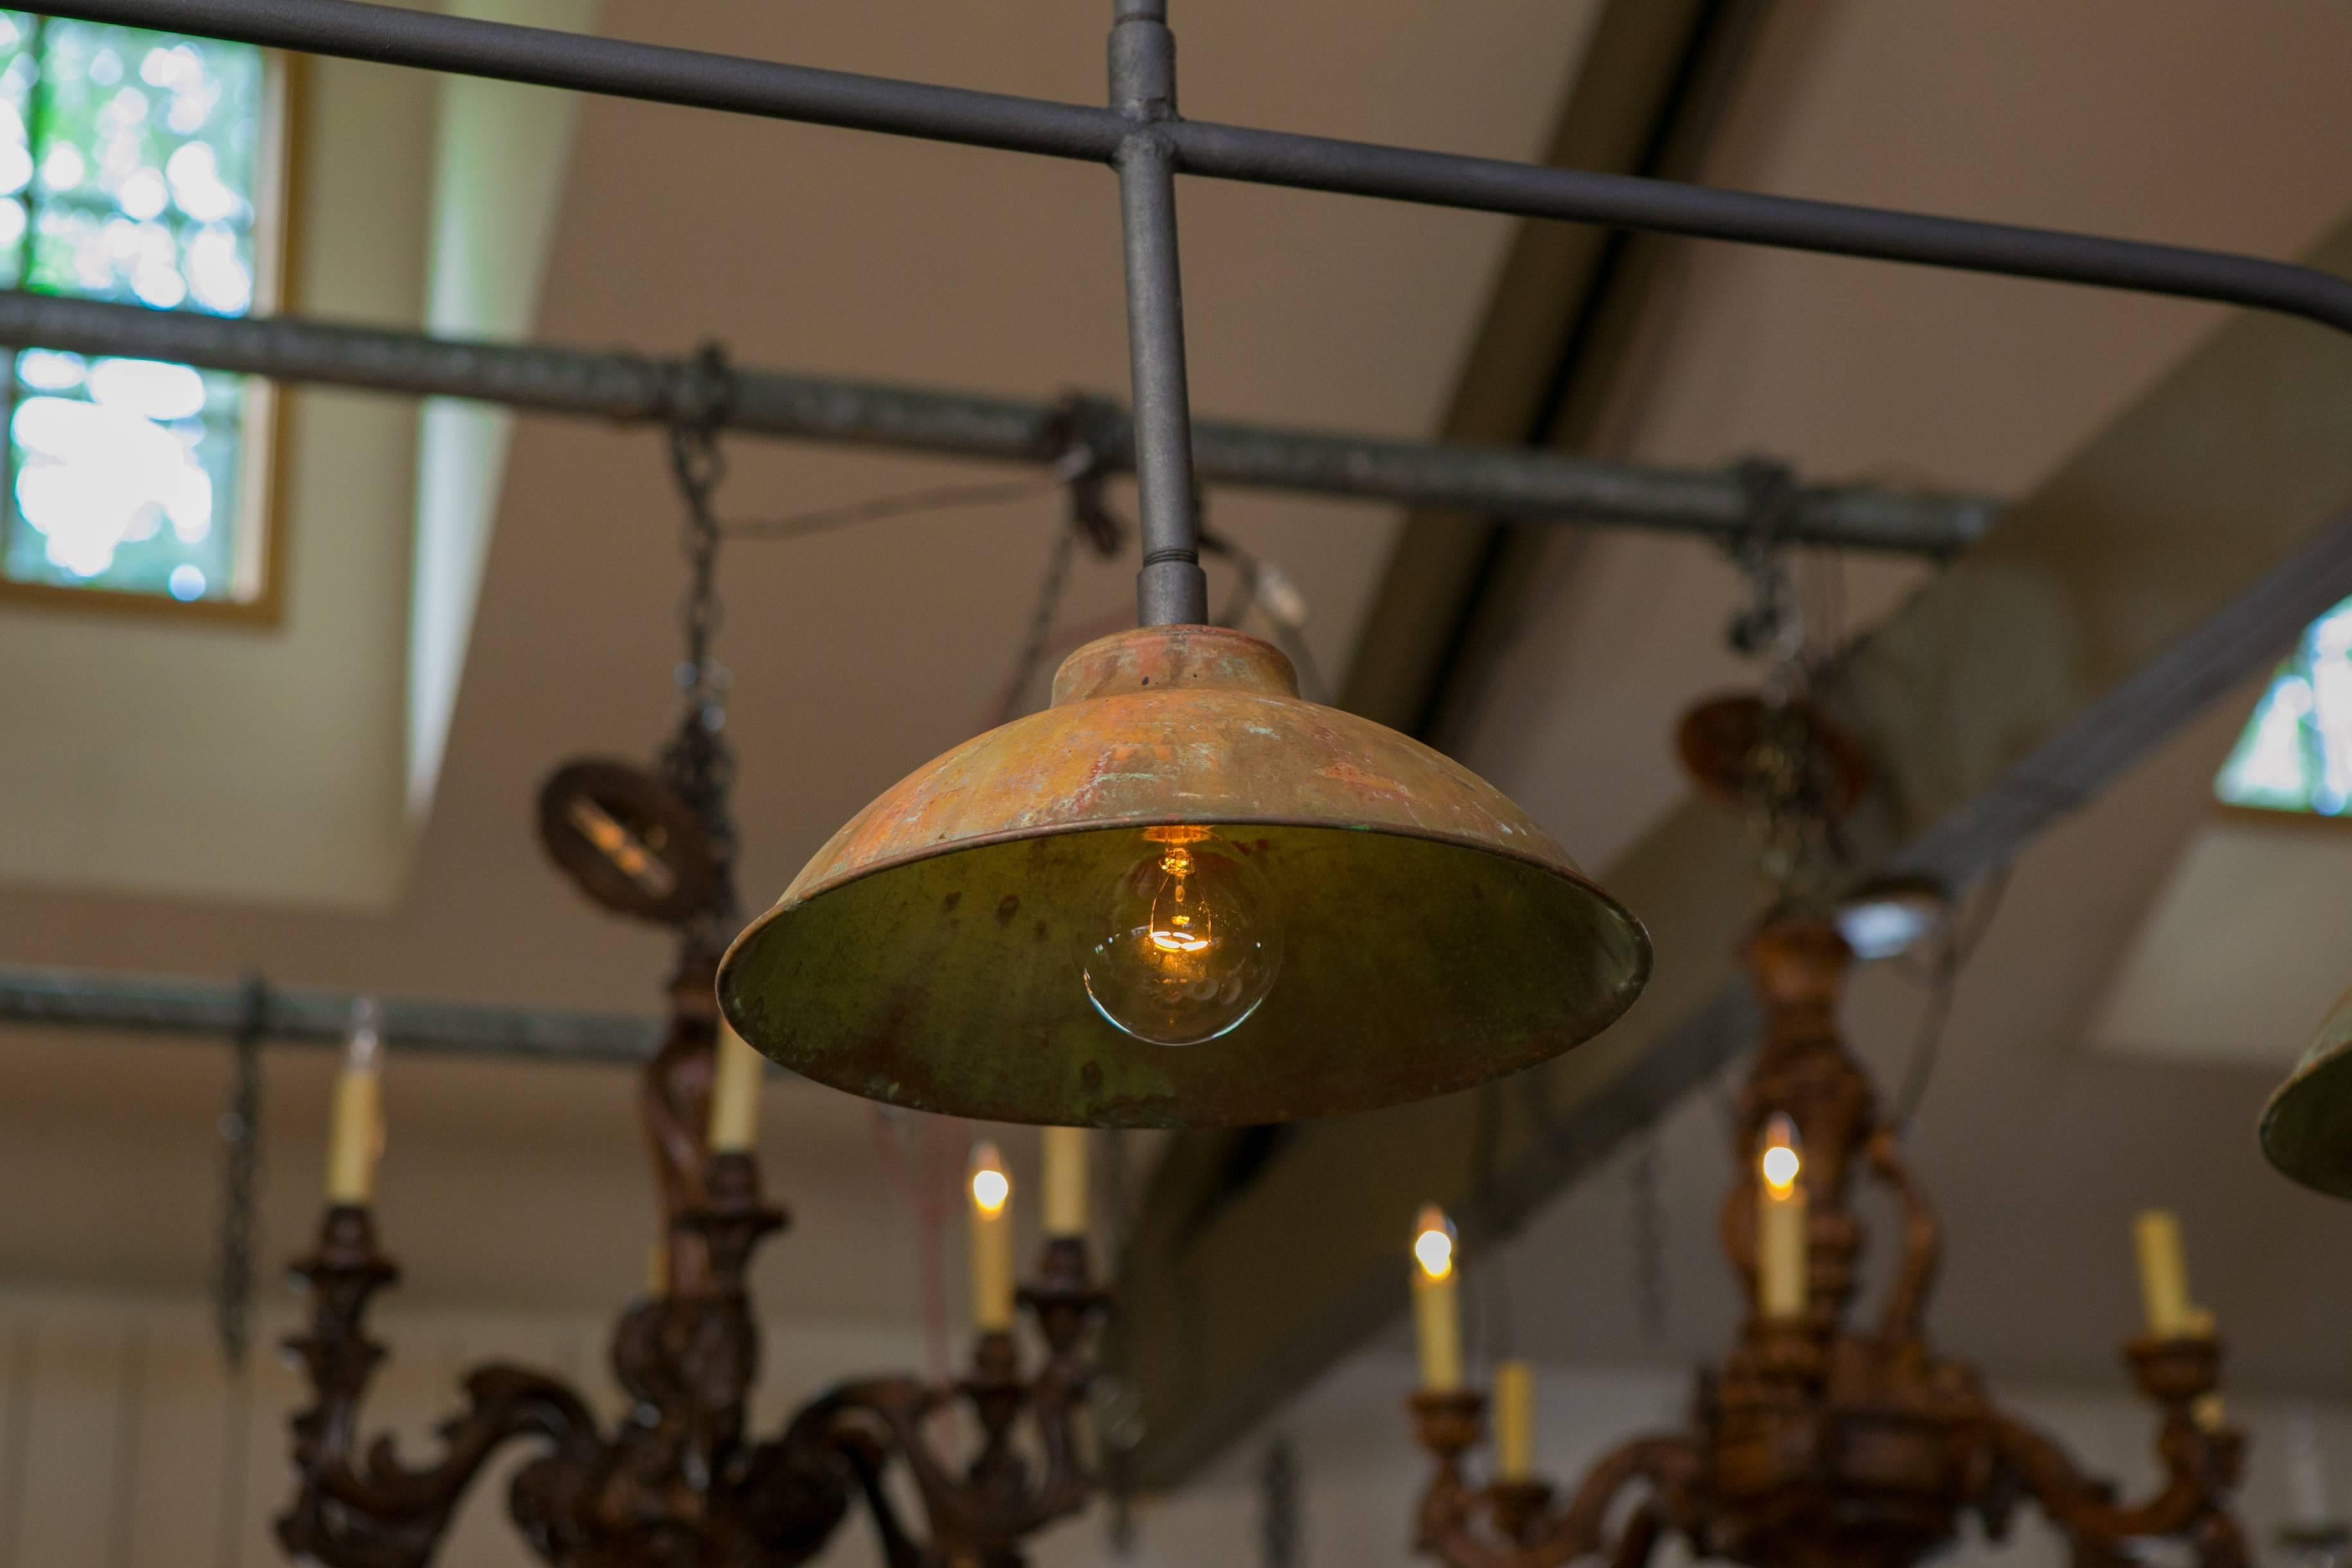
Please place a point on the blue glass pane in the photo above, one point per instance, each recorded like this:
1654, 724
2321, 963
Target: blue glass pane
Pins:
2296, 752
128, 162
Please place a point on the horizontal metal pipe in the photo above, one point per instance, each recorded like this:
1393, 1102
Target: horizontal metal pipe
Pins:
1501, 481
617, 68
72, 998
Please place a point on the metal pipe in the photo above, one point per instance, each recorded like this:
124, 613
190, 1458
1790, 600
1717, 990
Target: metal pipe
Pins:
1533, 485
615, 67
1171, 589
67, 998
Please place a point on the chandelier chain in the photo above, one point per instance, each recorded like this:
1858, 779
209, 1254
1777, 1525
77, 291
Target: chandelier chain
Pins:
240, 1133
699, 763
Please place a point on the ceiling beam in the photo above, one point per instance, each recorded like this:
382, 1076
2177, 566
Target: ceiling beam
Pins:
628, 388
1647, 96
217, 1010
2173, 557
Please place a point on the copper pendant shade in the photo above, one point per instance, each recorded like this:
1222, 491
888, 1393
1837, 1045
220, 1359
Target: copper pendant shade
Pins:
2307, 1126
1434, 936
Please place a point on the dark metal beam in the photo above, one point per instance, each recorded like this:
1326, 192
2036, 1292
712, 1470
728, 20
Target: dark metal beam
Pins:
631, 388
147, 1003
2171, 558
617, 68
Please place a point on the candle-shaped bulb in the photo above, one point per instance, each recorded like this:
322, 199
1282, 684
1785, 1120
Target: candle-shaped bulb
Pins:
1067, 1149
1436, 1310
1780, 1162
355, 1135
735, 1076
1781, 1269
1515, 1421
992, 1240
2163, 1273
363, 1048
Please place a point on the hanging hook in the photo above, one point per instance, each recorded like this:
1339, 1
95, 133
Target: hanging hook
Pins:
1771, 625
1077, 464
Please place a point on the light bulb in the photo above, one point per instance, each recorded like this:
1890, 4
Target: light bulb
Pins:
1780, 1161
363, 1046
1432, 1244
1187, 943
990, 1185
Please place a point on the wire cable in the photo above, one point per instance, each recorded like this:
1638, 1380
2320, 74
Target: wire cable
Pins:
901, 503
1952, 956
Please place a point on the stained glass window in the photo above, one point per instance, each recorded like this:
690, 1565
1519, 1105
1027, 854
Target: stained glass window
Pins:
2296, 752
135, 166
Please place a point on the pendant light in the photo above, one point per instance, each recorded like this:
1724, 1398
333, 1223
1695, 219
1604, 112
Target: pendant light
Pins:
1180, 896
2307, 1126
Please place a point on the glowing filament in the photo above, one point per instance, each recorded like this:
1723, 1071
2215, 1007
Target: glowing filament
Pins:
1180, 922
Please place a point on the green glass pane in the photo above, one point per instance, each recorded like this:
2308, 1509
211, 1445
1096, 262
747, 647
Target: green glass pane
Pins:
124, 476
136, 157
2296, 754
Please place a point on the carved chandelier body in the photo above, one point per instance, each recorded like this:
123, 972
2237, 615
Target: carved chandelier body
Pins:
1820, 1443
678, 1482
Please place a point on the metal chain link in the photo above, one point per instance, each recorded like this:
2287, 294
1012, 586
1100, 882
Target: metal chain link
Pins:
240, 1133
1788, 778
699, 762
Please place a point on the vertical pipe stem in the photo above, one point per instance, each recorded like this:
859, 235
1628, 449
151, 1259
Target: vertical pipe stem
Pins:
1171, 589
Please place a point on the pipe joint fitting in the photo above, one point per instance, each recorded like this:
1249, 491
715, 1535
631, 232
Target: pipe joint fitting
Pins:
1143, 68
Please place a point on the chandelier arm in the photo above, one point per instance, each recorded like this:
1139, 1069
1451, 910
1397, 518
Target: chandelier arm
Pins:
1922, 1239
1639, 1539
1511, 1524
381, 1513
2198, 1466
986, 1511
1665, 1461
841, 1425
903, 1408
899, 1548
502, 1403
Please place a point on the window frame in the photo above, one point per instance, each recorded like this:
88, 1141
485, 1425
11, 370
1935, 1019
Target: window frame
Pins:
263, 436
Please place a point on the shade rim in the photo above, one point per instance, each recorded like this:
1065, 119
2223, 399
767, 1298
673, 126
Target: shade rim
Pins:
940, 1030
1645, 950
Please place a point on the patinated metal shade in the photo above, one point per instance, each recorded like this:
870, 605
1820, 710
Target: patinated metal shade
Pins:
2307, 1126
1436, 936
